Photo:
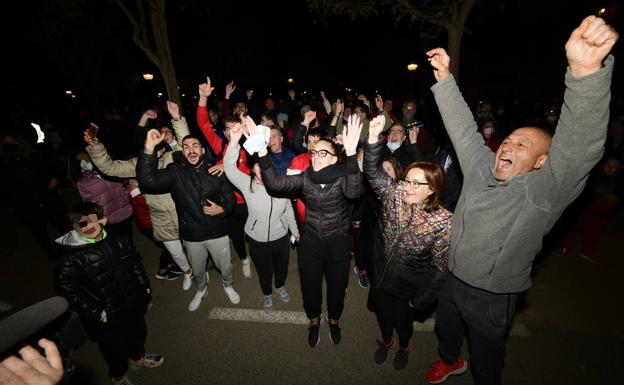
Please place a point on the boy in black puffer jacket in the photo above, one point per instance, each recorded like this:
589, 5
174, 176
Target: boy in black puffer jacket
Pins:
104, 281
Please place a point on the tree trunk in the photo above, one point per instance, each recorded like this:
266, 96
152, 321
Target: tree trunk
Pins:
158, 20
454, 49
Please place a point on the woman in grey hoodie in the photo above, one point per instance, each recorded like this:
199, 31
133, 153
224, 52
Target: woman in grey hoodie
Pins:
267, 224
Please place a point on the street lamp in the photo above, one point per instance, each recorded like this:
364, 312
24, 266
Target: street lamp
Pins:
412, 67
148, 76
291, 80
68, 92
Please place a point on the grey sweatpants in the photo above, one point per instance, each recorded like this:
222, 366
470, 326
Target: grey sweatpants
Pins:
219, 249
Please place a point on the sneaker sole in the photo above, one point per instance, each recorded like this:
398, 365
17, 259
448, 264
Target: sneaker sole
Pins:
164, 278
455, 372
318, 340
330, 338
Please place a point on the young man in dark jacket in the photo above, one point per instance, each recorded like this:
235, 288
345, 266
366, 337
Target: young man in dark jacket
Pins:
103, 280
203, 202
510, 199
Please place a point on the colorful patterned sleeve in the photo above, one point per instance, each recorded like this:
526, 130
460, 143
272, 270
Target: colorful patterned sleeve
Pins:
442, 241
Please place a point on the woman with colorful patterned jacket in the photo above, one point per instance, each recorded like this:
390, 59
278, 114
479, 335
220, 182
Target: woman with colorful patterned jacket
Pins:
411, 267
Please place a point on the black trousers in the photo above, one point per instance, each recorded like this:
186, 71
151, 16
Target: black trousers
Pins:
122, 341
487, 317
271, 259
328, 256
236, 223
165, 257
358, 245
393, 313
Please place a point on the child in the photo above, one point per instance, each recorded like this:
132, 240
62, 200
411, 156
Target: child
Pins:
104, 281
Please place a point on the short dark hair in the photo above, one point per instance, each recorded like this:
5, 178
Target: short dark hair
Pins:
84, 209
231, 119
191, 136
365, 109
316, 131
436, 177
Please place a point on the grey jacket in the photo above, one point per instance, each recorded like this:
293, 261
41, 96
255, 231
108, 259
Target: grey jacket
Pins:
498, 227
269, 218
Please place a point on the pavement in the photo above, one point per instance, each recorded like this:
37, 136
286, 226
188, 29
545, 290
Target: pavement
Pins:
568, 329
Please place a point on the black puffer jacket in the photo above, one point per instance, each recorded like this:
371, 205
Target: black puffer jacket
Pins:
190, 186
327, 208
107, 275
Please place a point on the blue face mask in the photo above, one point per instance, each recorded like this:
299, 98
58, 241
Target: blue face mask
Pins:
393, 146
551, 119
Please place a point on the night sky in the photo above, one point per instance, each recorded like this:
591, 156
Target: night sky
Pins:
509, 46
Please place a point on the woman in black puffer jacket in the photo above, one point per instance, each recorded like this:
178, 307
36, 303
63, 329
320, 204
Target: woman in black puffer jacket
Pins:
325, 245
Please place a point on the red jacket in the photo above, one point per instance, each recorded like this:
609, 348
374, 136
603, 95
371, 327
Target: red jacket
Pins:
301, 162
219, 146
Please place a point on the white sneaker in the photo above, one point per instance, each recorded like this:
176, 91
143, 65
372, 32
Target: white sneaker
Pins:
267, 305
231, 294
199, 296
283, 294
246, 267
187, 281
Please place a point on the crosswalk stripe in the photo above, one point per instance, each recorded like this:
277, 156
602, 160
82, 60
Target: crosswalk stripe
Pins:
518, 329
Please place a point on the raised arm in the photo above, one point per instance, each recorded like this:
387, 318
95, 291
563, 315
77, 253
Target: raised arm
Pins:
203, 119
581, 133
352, 187
102, 160
471, 150
376, 176
147, 172
239, 179
229, 90
180, 127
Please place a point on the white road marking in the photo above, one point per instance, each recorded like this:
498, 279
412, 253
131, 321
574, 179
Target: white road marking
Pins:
518, 329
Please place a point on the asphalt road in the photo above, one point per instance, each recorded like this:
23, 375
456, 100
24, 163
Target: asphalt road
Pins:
568, 330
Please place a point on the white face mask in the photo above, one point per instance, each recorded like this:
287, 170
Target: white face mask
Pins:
85, 165
173, 144
488, 131
393, 146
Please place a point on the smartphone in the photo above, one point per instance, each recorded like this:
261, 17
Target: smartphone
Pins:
208, 79
93, 129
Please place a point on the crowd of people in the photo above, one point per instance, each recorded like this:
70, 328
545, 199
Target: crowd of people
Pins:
349, 180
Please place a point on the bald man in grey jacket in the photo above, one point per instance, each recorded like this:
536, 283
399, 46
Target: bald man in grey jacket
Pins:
511, 199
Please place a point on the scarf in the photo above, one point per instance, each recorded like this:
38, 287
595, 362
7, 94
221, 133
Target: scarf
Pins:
326, 175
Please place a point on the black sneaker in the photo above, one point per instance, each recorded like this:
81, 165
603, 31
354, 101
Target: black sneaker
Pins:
168, 275
381, 354
313, 335
401, 356
334, 333
174, 269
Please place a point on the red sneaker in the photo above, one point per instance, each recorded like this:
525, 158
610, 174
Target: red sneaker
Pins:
440, 371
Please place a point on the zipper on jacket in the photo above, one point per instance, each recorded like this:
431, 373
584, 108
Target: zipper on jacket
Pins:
394, 248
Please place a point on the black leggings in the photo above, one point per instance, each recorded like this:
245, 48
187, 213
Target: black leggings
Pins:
236, 223
271, 259
330, 256
393, 313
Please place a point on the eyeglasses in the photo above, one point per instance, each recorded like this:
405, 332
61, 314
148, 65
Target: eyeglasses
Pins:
412, 183
321, 153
